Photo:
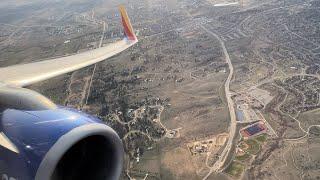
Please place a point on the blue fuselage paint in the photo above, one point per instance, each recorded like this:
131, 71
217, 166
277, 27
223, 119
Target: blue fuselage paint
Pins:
34, 133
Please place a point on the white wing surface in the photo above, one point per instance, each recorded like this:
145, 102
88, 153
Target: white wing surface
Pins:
26, 74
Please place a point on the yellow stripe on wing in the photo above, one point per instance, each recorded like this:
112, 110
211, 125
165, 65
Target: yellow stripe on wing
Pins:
126, 19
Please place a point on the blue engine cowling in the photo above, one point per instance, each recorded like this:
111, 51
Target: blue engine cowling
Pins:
59, 143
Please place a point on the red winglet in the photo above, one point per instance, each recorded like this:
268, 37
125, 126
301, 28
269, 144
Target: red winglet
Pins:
127, 27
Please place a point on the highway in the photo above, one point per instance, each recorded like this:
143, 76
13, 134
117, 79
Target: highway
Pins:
217, 167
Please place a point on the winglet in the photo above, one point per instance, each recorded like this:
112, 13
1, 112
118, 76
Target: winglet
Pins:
127, 27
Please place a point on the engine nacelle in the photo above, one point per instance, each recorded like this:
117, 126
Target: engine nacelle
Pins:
58, 144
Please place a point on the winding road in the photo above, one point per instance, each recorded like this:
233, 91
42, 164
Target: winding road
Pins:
217, 167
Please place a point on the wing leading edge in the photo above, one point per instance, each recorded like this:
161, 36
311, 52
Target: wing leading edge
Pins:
26, 74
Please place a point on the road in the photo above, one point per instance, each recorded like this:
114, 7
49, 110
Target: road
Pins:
217, 167
95, 65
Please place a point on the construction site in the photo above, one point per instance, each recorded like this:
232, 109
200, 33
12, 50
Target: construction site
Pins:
207, 145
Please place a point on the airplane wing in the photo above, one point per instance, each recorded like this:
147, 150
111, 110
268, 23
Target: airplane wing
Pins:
25, 74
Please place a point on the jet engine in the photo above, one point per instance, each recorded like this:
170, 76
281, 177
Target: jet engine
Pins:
42, 141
